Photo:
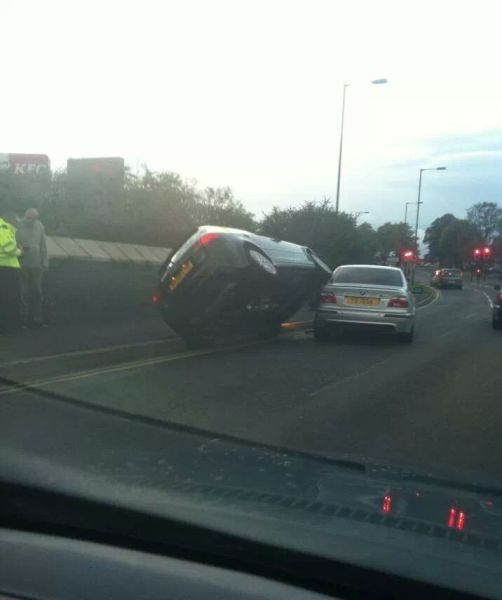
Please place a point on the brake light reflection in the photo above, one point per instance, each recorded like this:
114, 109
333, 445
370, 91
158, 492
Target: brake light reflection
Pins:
456, 519
327, 298
387, 503
398, 302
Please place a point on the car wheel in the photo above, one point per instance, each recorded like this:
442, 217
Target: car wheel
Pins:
322, 334
496, 324
259, 260
407, 336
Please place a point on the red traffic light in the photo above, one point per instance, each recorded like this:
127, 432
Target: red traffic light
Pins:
487, 250
408, 255
477, 252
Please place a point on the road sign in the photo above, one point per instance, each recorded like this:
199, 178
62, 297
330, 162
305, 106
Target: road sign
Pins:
24, 164
111, 168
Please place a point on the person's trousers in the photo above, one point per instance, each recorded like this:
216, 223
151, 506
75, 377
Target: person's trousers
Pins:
9, 298
31, 295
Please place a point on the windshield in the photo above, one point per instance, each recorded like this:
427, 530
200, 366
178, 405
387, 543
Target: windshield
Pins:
367, 275
339, 302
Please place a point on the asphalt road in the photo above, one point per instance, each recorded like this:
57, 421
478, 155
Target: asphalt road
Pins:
435, 405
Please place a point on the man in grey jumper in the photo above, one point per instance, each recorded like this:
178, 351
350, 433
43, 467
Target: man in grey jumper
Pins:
34, 262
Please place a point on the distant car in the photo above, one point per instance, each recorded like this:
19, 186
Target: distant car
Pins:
495, 271
224, 281
449, 277
497, 308
366, 296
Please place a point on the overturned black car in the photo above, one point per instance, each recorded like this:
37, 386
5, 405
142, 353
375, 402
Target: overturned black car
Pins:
222, 282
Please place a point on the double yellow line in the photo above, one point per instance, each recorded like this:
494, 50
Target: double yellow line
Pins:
128, 366
436, 296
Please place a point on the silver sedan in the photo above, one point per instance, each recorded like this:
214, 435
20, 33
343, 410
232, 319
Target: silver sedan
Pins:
366, 296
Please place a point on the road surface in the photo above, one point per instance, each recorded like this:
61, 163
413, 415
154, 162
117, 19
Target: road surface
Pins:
435, 405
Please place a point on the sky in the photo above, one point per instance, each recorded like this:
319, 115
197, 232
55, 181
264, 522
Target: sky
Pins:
247, 94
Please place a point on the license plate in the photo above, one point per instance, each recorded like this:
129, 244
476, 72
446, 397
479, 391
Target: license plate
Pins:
356, 300
186, 267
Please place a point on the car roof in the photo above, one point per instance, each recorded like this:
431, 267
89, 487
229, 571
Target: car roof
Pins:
370, 267
218, 229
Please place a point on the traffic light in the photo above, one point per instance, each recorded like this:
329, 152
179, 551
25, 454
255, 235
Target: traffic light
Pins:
487, 251
408, 255
477, 253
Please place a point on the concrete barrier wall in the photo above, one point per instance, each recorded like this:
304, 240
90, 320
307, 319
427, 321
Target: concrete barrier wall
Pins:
72, 248
92, 282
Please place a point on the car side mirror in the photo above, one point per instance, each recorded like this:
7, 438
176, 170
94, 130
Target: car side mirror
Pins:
497, 288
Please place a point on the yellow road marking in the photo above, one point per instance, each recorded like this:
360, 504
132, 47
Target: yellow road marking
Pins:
77, 353
122, 367
288, 326
437, 297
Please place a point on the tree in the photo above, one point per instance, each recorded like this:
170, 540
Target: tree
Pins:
149, 208
393, 238
21, 191
366, 244
217, 206
487, 217
457, 243
317, 225
433, 234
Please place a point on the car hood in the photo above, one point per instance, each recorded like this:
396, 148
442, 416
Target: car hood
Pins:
339, 508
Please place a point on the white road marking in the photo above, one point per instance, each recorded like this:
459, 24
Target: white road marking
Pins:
445, 334
357, 375
489, 300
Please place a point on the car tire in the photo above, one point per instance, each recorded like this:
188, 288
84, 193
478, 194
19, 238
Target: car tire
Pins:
496, 324
406, 337
259, 260
322, 334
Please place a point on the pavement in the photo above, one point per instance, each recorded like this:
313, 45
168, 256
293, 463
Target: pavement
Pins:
434, 405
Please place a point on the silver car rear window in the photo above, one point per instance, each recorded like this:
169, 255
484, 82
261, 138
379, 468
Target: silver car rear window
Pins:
367, 275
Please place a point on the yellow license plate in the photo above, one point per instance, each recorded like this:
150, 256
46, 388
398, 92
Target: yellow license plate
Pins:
186, 267
362, 301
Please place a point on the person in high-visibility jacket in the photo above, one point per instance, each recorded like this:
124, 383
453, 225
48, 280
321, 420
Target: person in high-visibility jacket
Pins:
9, 275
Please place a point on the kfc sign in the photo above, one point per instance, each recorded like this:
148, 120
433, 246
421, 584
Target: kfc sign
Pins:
24, 164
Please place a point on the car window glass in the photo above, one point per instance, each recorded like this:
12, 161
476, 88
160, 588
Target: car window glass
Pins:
184, 247
368, 275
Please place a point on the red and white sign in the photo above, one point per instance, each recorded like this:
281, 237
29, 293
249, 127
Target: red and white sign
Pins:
25, 164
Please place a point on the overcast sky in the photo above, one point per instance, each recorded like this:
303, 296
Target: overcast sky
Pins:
248, 94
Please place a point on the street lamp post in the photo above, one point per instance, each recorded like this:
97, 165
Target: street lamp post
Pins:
419, 191
419, 202
359, 213
340, 151
406, 212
